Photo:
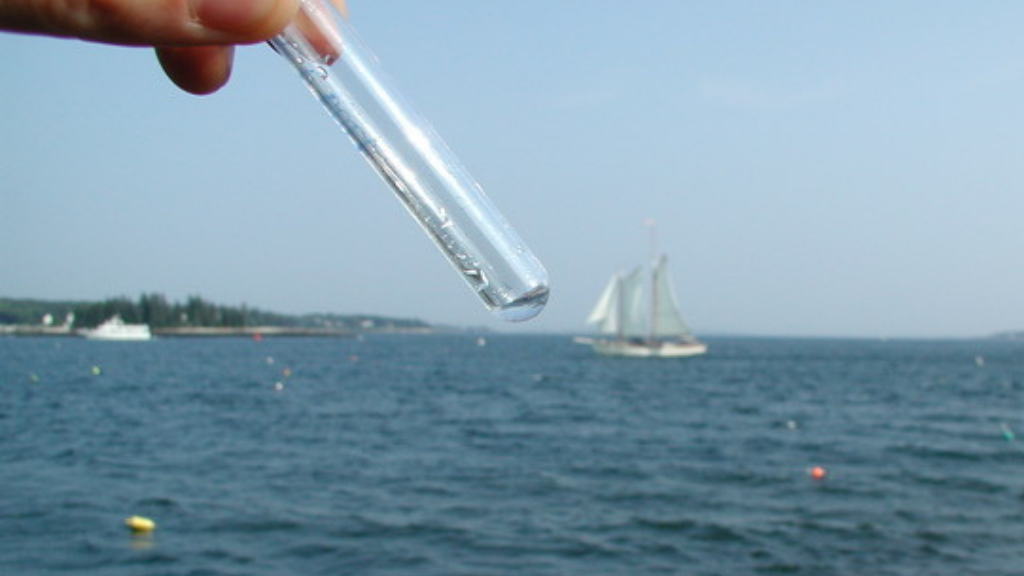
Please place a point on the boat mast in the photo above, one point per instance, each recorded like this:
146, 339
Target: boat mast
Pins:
620, 309
650, 223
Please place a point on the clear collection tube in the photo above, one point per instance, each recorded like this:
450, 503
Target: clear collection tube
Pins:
422, 171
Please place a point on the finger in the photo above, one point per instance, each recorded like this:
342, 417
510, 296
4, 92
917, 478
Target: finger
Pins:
151, 22
318, 26
197, 69
204, 70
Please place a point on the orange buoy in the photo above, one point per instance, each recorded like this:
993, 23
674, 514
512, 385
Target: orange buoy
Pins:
818, 473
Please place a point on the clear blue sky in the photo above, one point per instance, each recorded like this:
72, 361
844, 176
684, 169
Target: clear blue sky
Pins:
816, 168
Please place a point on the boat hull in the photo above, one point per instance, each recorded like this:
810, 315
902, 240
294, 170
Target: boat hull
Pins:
648, 350
135, 335
116, 329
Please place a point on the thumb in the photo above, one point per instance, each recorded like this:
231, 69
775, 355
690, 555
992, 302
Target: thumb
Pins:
150, 22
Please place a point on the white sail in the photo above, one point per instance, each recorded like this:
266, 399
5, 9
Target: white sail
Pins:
666, 319
630, 330
634, 322
606, 312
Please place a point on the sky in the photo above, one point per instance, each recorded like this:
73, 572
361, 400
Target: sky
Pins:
814, 168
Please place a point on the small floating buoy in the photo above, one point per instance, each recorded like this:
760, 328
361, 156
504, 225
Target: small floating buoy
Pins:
818, 473
96, 371
1008, 433
140, 524
792, 425
979, 361
279, 386
34, 378
287, 372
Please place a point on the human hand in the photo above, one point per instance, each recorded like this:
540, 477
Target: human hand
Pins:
194, 39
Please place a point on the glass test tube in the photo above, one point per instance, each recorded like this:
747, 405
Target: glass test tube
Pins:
422, 171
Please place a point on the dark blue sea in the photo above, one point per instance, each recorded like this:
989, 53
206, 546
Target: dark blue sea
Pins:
449, 455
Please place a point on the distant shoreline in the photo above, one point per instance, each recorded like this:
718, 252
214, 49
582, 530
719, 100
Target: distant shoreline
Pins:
193, 318
251, 332
215, 332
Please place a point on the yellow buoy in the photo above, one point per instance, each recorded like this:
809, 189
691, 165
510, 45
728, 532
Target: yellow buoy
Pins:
140, 524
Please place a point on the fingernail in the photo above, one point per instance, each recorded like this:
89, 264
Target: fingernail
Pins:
236, 16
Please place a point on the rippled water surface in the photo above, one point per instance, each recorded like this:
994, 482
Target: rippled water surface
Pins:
445, 455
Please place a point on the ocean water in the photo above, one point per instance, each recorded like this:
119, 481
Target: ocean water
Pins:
445, 455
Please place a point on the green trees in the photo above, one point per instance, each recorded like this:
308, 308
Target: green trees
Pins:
154, 309
157, 311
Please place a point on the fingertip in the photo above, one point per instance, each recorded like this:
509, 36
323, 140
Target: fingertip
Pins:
248, 19
198, 70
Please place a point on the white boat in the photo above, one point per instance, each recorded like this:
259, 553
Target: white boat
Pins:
628, 328
116, 329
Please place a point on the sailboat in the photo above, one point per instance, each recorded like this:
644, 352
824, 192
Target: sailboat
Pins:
628, 328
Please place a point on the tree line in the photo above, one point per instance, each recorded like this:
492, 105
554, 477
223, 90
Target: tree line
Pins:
158, 312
